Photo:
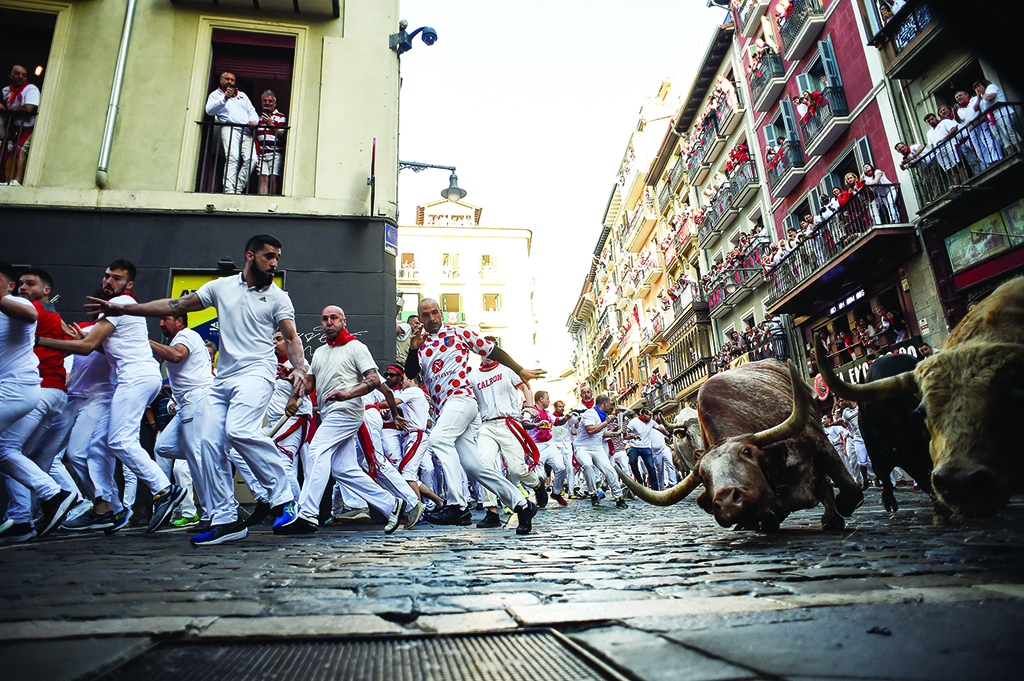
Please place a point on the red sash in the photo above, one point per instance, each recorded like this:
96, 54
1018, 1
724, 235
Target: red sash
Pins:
302, 422
368, 451
412, 450
524, 439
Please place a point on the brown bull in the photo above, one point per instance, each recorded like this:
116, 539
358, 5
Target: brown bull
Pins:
973, 396
767, 454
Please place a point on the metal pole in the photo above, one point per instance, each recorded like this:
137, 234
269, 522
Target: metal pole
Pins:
115, 97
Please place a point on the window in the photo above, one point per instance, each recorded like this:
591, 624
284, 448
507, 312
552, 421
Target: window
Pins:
450, 265
230, 160
451, 302
408, 261
491, 302
851, 161
488, 263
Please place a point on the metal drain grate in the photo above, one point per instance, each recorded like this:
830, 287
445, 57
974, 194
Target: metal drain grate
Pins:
514, 656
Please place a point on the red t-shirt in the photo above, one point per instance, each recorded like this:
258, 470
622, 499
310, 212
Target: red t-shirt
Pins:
51, 362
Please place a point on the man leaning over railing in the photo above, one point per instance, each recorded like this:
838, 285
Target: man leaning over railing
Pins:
21, 100
233, 110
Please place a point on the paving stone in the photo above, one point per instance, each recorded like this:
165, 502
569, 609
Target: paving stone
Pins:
237, 627
133, 626
559, 613
486, 620
939, 594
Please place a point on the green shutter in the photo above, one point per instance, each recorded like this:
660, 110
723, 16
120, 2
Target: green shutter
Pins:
788, 119
829, 63
864, 153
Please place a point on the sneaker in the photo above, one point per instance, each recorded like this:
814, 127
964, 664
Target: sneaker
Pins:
118, 520
560, 499
355, 515
258, 515
415, 515
479, 506
79, 509
219, 534
302, 525
600, 494
199, 528
14, 183
396, 516
88, 521
620, 503
542, 495
491, 519
164, 505
185, 521
286, 515
17, 532
525, 514
55, 509
595, 499
6, 525
449, 515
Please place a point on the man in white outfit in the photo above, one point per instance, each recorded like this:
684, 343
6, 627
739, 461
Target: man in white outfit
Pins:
543, 434
411, 442
342, 372
250, 306
125, 342
561, 436
291, 438
19, 395
577, 432
440, 355
592, 449
238, 118
662, 454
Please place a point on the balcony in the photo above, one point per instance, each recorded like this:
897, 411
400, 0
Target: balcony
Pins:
767, 79
975, 159
706, 234
695, 169
786, 168
690, 301
722, 212
831, 118
493, 319
409, 277
748, 16
451, 276
911, 41
743, 184
677, 175
665, 198
661, 395
712, 139
730, 112
454, 317
13, 126
800, 27
869, 234
492, 277
647, 341
772, 347
231, 163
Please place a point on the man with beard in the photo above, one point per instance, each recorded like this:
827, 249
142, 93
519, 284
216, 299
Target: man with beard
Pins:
440, 354
250, 306
578, 434
561, 436
125, 341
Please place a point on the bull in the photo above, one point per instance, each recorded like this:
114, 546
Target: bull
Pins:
686, 441
767, 455
972, 394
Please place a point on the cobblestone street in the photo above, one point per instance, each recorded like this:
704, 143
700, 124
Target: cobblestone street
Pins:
662, 593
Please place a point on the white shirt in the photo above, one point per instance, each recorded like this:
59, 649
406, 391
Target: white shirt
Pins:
30, 95
371, 415
341, 368
585, 440
852, 417
18, 362
414, 406
248, 318
574, 422
657, 439
127, 349
195, 371
279, 400
940, 131
88, 374
495, 390
560, 434
444, 362
967, 113
642, 431
992, 89
238, 110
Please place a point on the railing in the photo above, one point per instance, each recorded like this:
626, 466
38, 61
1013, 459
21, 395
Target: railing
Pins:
909, 27
747, 14
696, 371
788, 156
232, 156
665, 196
16, 128
871, 207
690, 294
606, 343
693, 161
708, 132
451, 275
767, 68
800, 11
719, 205
741, 177
772, 347
705, 226
677, 174
831, 104
406, 274
985, 142
491, 277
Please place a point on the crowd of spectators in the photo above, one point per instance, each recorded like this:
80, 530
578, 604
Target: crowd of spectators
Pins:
749, 253
872, 332
762, 341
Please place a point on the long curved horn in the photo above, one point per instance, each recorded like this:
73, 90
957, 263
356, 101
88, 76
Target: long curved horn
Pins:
882, 389
666, 498
797, 420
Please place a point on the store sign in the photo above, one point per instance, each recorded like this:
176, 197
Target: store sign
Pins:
857, 370
846, 302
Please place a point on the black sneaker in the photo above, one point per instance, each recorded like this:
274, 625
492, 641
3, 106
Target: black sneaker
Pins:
201, 527
301, 525
594, 500
479, 506
449, 515
541, 492
490, 520
467, 517
88, 521
118, 521
260, 513
219, 534
395, 519
18, 532
620, 503
164, 505
55, 509
525, 514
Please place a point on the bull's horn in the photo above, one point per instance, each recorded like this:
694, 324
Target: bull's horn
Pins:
666, 498
882, 389
797, 420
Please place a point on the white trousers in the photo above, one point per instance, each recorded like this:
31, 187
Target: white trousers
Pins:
29, 430
58, 439
289, 441
333, 452
238, 159
594, 460
385, 473
233, 417
131, 397
391, 439
570, 471
414, 450
171, 457
497, 440
666, 467
18, 402
453, 441
550, 455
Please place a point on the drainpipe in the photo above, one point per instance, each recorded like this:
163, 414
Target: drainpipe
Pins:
115, 97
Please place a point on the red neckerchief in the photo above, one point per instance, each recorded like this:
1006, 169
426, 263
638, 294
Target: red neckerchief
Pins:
645, 420
343, 337
590, 404
489, 368
14, 94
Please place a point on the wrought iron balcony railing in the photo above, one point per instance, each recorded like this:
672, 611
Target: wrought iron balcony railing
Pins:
767, 68
15, 130
743, 176
790, 27
788, 156
830, 105
239, 159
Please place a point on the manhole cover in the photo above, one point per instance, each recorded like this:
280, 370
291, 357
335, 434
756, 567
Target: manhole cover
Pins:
527, 655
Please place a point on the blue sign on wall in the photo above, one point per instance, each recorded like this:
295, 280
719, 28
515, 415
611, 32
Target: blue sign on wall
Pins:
391, 240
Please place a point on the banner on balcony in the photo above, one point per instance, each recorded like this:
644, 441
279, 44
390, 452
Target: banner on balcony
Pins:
857, 370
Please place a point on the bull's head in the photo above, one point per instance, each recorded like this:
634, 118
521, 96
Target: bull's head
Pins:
972, 395
736, 488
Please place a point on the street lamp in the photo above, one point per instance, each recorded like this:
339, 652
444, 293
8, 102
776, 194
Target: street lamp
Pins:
453, 192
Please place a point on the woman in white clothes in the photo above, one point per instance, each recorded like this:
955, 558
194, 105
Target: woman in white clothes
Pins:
884, 203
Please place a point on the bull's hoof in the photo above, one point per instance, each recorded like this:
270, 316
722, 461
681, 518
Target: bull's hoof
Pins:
943, 514
889, 501
849, 501
769, 524
832, 522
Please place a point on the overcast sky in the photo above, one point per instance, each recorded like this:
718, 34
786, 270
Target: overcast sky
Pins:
533, 102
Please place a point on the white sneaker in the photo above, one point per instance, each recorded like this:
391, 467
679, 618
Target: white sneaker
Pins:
13, 183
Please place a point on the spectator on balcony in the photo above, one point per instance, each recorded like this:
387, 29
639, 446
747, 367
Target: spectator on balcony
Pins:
978, 131
1002, 119
237, 117
942, 131
897, 326
270, 143
888, 8
883, 207
909, 153
21, 101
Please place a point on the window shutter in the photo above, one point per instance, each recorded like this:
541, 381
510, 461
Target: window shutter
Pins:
829, 63
812, 199
788, 119
791, 222
805, 81
771, 133
864, 153
830, 182
769, 31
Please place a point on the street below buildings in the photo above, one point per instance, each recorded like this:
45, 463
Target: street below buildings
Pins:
659, 593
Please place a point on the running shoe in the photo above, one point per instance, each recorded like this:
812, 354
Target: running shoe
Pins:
55, 509
164, 505
119, 520
595, 499
560, 499
491, 519
302, 525
258, 515
88, 521
185, 521
525, 514
396, 516
17, 532
620, 503
542, 495
450, 515
220, 534
414, 516
286, 515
